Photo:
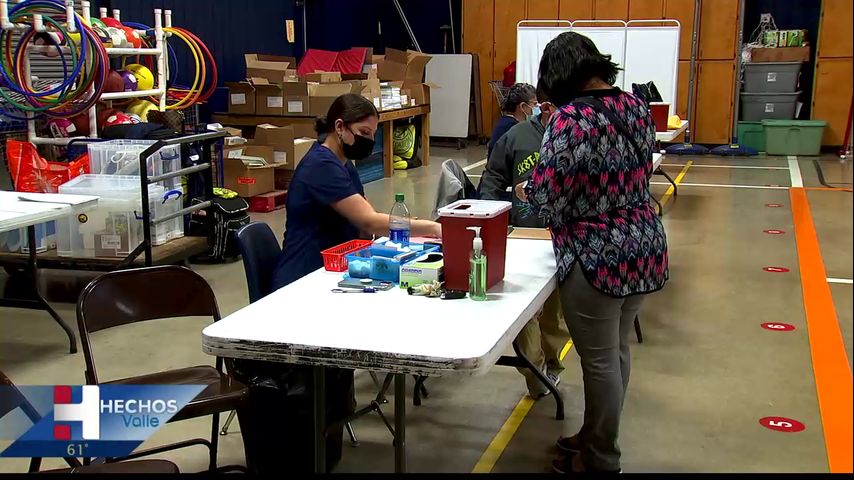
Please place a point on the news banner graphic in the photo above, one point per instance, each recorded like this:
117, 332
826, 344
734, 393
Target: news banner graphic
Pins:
89, 420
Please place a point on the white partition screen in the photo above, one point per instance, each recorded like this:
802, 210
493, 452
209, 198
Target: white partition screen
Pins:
531, 40
645, 53
652, 54
611, 41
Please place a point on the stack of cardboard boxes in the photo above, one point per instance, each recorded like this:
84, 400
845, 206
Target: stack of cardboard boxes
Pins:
264, 164
273, 88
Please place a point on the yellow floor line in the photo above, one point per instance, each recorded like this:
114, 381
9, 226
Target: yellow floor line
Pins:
677, 181
508, 430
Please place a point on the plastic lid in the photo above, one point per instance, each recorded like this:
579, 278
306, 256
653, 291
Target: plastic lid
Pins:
475, 209
398, 197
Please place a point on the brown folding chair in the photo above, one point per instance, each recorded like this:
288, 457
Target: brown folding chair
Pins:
130, 296
14, 399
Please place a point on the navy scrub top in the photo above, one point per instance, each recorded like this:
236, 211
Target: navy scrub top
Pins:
313, 225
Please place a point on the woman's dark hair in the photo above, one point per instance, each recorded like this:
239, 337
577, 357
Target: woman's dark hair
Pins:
518, 94
350, 108
569, 62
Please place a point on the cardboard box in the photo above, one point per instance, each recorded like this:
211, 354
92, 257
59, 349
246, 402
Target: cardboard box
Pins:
282, 178
403, 66
304, 130
321, 96
369, 88
269, 99
272, 68
301, 147
421, 271
291, 76
323, 77
241, 98
281, 139
787, 54
370, 74
249, 181
526, 233
420, 92
296, 101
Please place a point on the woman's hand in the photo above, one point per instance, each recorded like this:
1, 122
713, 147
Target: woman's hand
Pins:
520, 191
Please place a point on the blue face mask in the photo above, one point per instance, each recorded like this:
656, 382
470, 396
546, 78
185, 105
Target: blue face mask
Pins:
535, 112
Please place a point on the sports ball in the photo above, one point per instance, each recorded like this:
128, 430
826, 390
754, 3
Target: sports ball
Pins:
129, 83
115, 82
118, 118
144, 77
61, 128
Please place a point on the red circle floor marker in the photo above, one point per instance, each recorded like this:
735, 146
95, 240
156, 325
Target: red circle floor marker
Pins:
776, 269
774, 205
774, 232
782, 424
778, 327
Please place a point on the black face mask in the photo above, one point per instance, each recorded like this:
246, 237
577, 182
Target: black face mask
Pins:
361, 148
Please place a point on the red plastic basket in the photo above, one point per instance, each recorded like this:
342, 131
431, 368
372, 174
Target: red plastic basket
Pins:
334, 259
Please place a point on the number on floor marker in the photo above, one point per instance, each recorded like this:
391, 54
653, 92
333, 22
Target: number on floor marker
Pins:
782, 424
774, 232
779, 327
776, 269
774, 205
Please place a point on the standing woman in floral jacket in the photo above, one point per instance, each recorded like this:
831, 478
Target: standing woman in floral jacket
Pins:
592, 187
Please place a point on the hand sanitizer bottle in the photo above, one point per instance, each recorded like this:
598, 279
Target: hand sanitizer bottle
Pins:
477, 268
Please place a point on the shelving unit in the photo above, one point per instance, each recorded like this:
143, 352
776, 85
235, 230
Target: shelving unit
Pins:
161, 18
145, 254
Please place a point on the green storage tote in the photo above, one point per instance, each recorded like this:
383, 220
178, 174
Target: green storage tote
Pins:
751, 134
793, 137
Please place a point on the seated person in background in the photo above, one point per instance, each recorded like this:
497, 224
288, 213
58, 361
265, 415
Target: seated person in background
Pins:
517, 106
511, 162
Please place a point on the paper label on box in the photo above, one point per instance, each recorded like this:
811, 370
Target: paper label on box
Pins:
404, 99
275, 102
772, 77
412, 102
238, 99
235, 153
769, 108
245, 181
280, 157
111, 242
295, 107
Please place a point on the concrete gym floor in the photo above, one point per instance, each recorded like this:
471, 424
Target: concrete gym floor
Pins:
704, 377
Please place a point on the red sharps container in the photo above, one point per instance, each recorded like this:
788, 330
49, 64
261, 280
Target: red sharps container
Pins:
492, 217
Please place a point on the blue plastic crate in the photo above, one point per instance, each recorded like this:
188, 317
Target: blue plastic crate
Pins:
381, 263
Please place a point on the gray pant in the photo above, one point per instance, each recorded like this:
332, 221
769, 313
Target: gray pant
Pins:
599, 326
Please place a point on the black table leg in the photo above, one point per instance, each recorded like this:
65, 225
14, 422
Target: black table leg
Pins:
400, 423
542, 378
319, 419
659, 171
40, 300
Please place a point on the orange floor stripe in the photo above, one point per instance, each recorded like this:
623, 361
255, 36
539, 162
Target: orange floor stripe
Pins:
830, 363
826, 189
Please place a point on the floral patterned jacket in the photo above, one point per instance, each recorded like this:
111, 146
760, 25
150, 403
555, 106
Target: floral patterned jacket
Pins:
592, 187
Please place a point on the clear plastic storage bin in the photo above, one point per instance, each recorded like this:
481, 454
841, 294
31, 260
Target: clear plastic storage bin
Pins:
16, 241
121, 157
114, 228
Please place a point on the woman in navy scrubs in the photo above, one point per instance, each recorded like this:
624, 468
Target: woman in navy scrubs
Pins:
326, 207
326, 201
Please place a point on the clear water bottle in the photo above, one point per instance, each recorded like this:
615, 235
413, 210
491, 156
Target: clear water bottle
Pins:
399, 222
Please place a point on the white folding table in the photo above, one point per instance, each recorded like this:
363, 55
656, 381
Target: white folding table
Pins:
306, 323
26, 210
671, 135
